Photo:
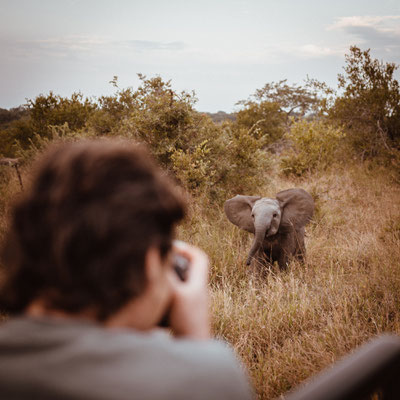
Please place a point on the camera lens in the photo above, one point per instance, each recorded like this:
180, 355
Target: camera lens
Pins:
181, 265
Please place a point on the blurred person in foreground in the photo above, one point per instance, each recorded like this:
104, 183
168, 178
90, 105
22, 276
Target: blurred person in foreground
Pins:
88, 274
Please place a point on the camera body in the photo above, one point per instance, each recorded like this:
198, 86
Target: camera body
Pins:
181, 266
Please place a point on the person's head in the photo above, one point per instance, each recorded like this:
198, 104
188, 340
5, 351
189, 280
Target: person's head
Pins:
80, 236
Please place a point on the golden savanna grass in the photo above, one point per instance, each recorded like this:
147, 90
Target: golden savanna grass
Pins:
286, 326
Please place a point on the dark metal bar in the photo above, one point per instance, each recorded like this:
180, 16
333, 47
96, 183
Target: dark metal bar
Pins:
374, 367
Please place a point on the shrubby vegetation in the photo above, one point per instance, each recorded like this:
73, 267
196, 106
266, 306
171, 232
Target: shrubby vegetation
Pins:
369, 107
263, 120
308, 123
316, 145
343, 147
207, 158
8, 116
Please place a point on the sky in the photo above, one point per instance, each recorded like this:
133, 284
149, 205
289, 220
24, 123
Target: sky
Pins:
223, 50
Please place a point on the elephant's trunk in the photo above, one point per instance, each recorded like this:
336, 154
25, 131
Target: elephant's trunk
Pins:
261, 229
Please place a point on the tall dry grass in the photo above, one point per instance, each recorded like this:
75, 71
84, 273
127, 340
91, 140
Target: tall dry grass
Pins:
289, 325
286, 326
9, 190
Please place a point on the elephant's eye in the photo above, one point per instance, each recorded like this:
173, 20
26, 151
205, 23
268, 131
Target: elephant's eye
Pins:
275, 215
252, 215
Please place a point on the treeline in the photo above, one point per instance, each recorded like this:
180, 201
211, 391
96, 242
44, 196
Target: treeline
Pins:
310, 126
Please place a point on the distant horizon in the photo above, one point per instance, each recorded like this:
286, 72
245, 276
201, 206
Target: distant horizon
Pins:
91, 97
222, 50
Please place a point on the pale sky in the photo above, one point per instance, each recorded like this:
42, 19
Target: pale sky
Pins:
222, 49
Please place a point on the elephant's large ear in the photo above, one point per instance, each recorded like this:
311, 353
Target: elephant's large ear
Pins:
238, 210
297, 208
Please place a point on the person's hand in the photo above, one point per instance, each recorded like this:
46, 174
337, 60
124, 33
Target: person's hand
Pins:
189, 314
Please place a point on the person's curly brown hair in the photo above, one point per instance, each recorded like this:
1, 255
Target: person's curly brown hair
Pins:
79, 236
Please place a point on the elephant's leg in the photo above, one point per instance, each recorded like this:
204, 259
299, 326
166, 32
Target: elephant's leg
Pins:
287, 250
264, 263
283, 261
300, 251
261, 258
266, 254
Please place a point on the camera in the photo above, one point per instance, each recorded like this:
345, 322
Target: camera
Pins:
181, 266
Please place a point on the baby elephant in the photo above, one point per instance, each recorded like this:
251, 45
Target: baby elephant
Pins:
277, 224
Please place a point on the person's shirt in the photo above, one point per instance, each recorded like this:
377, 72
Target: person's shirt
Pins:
55, 359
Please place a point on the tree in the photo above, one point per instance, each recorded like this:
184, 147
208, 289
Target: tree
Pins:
160, 117
370, 104
262, 120
8, 116
53, 110
295, 99
269, 110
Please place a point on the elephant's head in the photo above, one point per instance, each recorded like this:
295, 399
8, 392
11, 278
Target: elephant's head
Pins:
264, 217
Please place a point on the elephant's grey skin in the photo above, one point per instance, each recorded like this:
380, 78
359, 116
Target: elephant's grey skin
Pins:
277, 224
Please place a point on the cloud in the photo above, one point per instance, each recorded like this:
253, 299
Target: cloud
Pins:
86, 45
143, 45
315, 51
376, 32
379, 33
306, 51
364, 21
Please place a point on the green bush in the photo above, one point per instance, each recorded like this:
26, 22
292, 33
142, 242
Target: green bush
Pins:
153, 114
18, 134
315, 146
207, 158
193, 167
43, 114
53, 110
247, 165
369, 106
262, 120
226, 163
210, 160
